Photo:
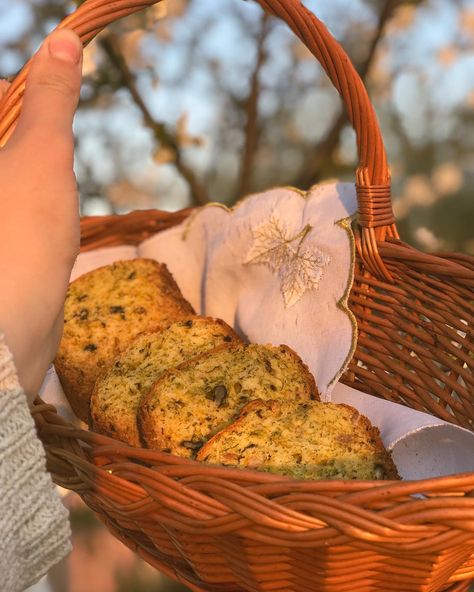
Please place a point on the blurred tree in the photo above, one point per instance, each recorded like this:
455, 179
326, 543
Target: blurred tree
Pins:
185, 104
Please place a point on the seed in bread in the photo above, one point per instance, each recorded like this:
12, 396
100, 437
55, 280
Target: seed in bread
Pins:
105, 309
305, 440
195, 400
117, 394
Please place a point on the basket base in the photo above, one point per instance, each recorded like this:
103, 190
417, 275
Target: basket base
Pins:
182, 573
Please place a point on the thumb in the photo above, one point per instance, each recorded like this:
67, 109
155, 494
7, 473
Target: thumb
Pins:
52, 88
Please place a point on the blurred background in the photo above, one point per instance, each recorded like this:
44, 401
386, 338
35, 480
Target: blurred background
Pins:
184, 104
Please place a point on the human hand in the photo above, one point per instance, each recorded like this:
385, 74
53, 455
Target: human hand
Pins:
39, 214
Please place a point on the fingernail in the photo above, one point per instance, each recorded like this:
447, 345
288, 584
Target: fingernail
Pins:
65, 45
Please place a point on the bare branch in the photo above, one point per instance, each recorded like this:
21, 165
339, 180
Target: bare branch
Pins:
319, 158
111, 47
250, 107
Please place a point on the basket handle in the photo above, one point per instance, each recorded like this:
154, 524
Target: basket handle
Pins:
372, 176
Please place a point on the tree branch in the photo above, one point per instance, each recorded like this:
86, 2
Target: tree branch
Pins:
111, 47
250, 108
320, 157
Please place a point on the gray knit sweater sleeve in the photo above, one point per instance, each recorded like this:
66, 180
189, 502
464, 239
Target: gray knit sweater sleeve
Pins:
34, 525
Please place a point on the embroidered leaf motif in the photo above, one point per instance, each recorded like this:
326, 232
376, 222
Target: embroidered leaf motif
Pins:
300, 268
270, 246
302, 273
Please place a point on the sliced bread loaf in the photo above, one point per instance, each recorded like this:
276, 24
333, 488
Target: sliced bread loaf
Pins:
105, 309
117, 394
195, 400
305, 440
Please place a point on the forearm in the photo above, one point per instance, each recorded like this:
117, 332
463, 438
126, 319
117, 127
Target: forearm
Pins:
34, 526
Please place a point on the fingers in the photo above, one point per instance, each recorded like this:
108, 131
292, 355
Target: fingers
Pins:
52, 91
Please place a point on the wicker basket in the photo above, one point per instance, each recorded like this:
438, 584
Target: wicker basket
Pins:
227, 530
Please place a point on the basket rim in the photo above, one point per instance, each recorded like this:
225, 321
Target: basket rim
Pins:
101, 445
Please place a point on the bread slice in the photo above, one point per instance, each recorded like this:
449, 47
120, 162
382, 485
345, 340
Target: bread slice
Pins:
195, 400
117, 394
104, 311
305, 440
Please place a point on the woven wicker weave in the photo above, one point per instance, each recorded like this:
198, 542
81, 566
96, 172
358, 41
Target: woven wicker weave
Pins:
227, 530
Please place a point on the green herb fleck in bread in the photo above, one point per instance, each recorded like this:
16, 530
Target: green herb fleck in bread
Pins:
309, 440
195, 400
117, 394
104, 311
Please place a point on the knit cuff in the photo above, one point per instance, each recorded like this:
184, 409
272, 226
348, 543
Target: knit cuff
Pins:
8, 375
34, 526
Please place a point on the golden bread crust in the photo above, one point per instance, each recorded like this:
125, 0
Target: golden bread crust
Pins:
104, 311
117, 394
190, 403
305, 440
